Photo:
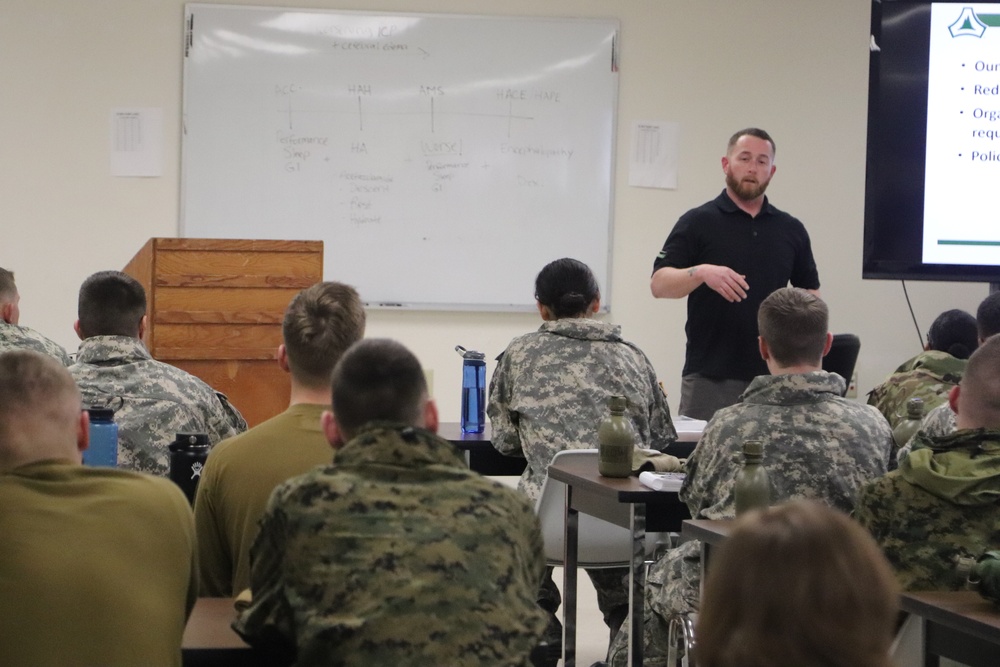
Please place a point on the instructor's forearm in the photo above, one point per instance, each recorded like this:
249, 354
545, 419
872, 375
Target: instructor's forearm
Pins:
674, 283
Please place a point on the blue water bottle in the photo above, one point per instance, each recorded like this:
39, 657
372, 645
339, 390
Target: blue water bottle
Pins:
473, 390
103, 449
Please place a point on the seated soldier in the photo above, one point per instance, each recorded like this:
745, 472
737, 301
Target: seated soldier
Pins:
397, 553
943, 503
941, 419
97, 565
817, 445
13, 336
153, 401
931, 374
320, 324
549, 392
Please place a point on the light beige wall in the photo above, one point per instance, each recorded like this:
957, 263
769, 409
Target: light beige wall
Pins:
795, 67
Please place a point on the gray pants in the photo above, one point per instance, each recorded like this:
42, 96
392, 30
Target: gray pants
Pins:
702, 396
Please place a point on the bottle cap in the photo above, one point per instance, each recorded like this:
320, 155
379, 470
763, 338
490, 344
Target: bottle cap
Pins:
618, 403
915, 407
99, 414
183, 441
469, 354
753, 448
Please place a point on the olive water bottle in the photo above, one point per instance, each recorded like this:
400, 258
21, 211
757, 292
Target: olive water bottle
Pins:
753, 488
615, 441
907, 427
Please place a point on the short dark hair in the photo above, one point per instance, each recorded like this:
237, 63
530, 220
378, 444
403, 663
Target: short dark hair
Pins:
794, 324
567, 287
8, 288
377, 379
988, 316
751, 132
111, 304
955, 332
320, 324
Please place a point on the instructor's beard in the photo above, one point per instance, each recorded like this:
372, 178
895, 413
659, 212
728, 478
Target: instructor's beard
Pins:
746, 190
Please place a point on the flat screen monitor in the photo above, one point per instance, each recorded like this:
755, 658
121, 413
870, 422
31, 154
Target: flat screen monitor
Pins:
932, 191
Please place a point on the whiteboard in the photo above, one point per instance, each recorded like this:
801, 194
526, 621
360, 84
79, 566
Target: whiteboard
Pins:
442, 159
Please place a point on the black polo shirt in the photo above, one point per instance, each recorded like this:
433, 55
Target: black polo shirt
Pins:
771, 250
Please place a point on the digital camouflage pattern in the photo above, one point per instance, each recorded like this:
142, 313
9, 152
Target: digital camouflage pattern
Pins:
928, 376
397, 554
551, 387
16, 337
939, 421
942, 504
153, 401
817, 445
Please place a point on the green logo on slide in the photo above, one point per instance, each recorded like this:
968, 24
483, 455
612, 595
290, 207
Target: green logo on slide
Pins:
970, 24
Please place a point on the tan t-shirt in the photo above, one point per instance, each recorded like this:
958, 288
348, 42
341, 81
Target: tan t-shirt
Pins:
238, 478
97, 567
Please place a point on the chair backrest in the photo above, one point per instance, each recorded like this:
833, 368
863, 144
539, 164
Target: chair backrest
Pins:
843, 356
600, 543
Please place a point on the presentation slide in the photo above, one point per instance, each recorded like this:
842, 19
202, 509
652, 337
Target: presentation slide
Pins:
962, 177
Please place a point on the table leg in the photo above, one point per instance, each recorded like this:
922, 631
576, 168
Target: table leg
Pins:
637, 585
570, 558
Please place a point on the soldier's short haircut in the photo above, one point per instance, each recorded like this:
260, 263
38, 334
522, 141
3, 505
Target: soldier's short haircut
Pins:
111, 304
955, 332
751, 132
320, 324
980, 396
8, 288
988, 316
797, 584
34, 386
567, 287
377, 379
794, 323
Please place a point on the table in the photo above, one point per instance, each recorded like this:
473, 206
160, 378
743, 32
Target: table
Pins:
624, 502
486, 460
209, 639
479, 451
959, 625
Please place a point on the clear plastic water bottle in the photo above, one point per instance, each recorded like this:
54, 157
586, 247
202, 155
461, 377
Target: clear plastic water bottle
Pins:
103, 448
473, 390
188, 453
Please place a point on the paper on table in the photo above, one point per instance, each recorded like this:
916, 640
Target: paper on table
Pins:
662, 481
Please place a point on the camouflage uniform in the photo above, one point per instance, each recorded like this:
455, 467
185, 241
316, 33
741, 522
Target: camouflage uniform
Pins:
550, 392
16, 337
929, 376
941, 505
816, 445
153, 401
396, 554
939, 421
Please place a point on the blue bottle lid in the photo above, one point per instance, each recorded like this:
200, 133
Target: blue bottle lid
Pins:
469, 354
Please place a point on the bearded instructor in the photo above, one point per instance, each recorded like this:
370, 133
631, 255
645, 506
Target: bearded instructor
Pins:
727, 256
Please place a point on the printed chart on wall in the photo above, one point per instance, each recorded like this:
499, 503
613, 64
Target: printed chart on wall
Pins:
963, 135
442, 159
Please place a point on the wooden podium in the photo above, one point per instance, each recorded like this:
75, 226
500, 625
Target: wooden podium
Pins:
215, 308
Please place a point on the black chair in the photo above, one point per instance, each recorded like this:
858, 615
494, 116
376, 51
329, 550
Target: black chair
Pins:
843, 356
